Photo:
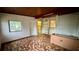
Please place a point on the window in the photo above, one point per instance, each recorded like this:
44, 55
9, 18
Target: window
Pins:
52, 26
14, 26
45, 26
39, 24
52, 23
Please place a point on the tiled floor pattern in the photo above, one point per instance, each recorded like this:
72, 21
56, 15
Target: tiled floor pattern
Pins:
33, 43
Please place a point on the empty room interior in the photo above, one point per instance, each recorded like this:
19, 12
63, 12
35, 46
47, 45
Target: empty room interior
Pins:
39, 29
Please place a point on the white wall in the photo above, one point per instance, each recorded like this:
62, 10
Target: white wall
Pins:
0, 34
33, 27
26, 23
68, 24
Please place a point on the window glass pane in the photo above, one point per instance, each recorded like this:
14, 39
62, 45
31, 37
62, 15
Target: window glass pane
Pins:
52, 23
14, 26
39, 24
52, 26
45, 26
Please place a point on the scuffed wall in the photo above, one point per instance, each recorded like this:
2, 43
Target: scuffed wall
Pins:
26, 24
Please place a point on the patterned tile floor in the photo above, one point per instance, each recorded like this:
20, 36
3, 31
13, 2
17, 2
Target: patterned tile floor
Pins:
33, 43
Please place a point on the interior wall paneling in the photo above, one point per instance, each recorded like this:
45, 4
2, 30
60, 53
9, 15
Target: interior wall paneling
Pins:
0, 35
9, 36
67, 24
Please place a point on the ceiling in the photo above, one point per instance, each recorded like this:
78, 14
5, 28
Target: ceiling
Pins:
38, 11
